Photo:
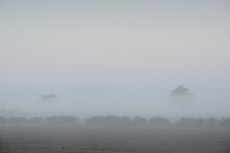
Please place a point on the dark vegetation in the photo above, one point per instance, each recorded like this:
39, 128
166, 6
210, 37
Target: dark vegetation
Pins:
115, 121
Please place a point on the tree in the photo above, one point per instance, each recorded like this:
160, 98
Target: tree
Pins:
3, 120
211, 121
61, 120
225, 121
159, 121
187, 121
180, 95
48, 98
180, 90
140, 121
18, 120
126, 121
109, 121
35, 120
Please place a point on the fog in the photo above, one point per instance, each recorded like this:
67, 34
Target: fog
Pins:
86, 101
114, 58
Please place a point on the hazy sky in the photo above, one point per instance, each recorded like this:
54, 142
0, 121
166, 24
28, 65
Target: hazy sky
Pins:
128, 52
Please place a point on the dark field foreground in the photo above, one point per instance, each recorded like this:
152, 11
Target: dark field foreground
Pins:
79, 139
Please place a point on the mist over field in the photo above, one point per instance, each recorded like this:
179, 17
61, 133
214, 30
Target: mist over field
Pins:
123, 100
117, 76
114, 58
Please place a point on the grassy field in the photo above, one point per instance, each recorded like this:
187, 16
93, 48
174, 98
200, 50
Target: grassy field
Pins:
85, 139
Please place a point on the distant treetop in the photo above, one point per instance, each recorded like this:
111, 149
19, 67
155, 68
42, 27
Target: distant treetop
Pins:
49, 97
180, 90
180, 95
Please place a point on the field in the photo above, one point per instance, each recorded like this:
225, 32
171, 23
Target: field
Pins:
85, 139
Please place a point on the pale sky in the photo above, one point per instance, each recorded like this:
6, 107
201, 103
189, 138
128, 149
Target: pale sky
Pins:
133, 50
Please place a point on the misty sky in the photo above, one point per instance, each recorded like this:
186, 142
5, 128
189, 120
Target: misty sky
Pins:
111, 56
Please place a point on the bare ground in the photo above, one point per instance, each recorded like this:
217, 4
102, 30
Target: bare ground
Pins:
82, 139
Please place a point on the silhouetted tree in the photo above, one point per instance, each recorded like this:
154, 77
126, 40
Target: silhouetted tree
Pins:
35, 120
211, 121
180, 90
18, 120
112, 120
125, 120
180, 95
95, 120
187, 121
199, 122
3, 120
139, 121
104, 120
48, 98
225, 121
61, 120
159, 121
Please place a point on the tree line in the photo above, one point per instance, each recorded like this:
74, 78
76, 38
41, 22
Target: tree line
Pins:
115, 121
52, 120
